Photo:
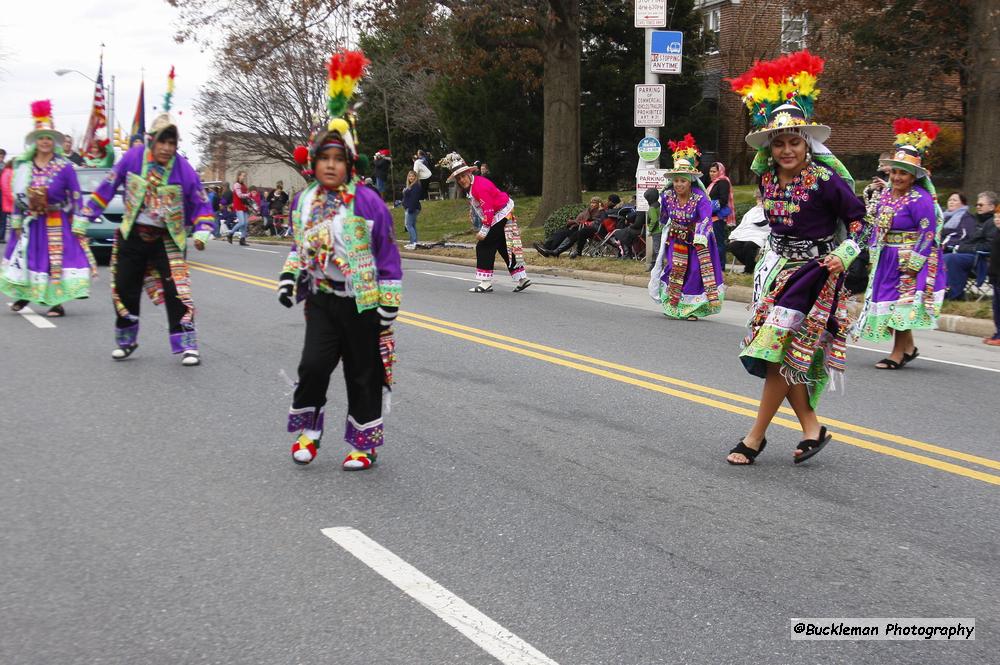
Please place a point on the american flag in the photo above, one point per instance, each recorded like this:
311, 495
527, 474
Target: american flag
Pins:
93, 145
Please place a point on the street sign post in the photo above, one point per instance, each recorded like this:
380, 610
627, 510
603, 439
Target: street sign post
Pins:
650, 13
649, 105
666, 52
649, 149
644, 179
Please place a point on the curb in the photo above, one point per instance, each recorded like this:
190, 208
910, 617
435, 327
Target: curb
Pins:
961, 325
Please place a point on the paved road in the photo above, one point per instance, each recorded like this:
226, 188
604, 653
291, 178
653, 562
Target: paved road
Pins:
554, 458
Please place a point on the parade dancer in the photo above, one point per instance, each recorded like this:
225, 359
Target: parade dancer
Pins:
796, 340
687, 275
164, 203
907, 285
499, 232
48, 260
345, 265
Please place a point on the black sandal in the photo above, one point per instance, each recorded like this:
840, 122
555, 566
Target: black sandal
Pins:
910, 357
747, 452
810, 447
18, 306
123, 352
890, 363
479, 289
55, 312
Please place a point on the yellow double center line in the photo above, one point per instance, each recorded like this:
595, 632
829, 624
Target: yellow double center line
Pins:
686, 390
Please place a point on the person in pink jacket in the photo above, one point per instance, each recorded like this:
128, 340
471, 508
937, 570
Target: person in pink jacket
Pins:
499, 232
6, 195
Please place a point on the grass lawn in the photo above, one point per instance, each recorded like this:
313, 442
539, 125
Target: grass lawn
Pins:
449, 220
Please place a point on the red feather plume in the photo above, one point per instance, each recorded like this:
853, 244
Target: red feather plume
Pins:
910, 125
41, 109
686, 142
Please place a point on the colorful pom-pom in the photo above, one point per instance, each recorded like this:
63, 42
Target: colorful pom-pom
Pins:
301, 154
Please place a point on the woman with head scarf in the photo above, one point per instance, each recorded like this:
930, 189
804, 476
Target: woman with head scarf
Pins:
687, 276
720, 190
48, 260
797, 330
345, 265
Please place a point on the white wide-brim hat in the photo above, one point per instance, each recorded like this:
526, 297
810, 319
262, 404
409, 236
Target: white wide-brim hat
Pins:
55, 135
787, 119
907, 160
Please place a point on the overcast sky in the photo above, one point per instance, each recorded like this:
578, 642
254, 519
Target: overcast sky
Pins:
39, 36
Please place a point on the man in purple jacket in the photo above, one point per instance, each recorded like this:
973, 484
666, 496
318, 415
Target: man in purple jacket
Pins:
164, 203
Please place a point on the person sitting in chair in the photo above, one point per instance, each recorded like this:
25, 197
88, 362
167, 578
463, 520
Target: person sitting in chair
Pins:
573, 232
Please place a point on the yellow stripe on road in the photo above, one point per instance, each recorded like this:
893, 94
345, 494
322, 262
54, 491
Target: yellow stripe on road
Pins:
620, 373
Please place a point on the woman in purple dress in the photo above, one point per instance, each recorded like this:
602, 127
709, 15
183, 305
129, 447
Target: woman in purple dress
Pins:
49, 261
687, 275
797, 330
908, 282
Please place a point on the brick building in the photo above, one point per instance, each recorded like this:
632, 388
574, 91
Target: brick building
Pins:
224, 159
741, 31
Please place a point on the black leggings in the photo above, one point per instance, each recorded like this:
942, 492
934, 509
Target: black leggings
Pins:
335, 330
135, 253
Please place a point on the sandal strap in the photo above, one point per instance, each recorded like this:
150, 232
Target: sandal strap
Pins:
806, 445
745, 450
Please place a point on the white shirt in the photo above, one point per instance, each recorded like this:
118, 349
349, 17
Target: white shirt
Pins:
753, 227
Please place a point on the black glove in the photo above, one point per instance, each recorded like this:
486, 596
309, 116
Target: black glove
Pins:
387, 316
286, 286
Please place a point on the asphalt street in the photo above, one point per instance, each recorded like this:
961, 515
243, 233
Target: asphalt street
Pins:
554, 458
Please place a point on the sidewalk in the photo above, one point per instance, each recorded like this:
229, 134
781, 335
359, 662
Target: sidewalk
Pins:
962, 325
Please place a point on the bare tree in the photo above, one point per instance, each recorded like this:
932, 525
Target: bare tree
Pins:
247, 32
264, 112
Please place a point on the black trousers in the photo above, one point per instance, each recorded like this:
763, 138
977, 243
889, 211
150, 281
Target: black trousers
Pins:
334, 331
745, 252
487, 248
137, 252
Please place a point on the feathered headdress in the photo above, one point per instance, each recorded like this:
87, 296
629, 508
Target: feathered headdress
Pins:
41, 112
913, 138
168, 96
344, 70
686, 148
780, 95
164, 121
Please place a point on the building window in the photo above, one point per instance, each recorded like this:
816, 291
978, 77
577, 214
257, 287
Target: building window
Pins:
794, 29
713, 26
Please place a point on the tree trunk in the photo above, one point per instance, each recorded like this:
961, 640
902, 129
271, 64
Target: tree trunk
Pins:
982, 131
561, 98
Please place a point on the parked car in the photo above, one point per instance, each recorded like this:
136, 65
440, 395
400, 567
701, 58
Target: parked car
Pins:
102, 232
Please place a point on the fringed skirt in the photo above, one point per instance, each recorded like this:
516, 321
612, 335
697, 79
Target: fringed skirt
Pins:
690, 280
798, 322
898, 301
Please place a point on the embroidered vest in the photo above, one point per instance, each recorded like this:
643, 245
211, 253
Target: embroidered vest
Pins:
360, 268
170, 199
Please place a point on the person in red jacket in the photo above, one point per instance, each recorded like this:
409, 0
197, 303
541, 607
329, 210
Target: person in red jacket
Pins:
241, 206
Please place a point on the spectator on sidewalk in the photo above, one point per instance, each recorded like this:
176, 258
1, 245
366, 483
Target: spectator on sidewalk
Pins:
959, 223
277, 199
68, 151
570, 234
654, 228
241, 206
959, 261
746, 239
994, 275
424, 171
380, 169
411, 207
720, 190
